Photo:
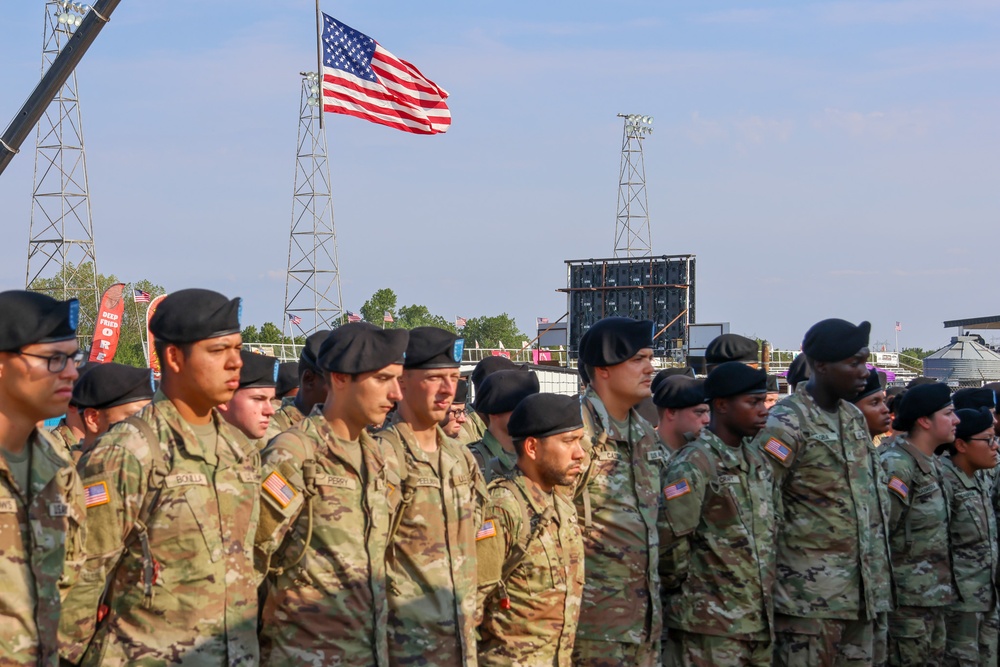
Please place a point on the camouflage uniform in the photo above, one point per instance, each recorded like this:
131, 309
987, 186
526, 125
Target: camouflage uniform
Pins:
530, 616
617, 498
492, 458
921, 561
718, 560
63, 436
474, 427
431, 561
971, 621
833, 577
329, 607
42, 538
287, 416
174, 542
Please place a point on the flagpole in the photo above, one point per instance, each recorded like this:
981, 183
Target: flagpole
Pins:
319, 62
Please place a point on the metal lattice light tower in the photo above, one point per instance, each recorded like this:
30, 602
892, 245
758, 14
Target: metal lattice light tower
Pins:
61, 238
312, 284
632, 237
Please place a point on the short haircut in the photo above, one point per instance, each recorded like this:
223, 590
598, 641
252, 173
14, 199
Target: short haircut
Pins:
161, 350
519, 446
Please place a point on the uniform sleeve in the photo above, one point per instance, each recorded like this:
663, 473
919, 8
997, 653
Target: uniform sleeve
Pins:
779, 441
898, 479
282, 495
492, 551
114, 484
683, 499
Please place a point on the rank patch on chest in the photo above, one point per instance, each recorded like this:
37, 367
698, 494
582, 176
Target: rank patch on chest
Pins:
677, 489
777, 449
899, 487
655, 455
488, 529
96, 494
279, 489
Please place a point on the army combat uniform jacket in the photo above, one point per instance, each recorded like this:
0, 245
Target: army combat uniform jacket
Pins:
170, 527
432, 557
531, 576
832, 549
617, 502
720, 560
287, 416
918, 529
973, 529
41, 538
492, 458
327, 598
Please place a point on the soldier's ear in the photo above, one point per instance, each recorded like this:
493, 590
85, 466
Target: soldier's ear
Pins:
531, 447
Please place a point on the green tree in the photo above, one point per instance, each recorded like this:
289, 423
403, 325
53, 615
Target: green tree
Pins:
381, 301
488, 331
420, 316
250, 334
271, 334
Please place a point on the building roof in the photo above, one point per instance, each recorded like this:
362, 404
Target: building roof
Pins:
975, 323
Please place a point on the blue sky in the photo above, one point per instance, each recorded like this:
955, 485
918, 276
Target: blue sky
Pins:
830, 159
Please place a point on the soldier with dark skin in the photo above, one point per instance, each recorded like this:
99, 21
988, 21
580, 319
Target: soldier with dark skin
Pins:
871, 402
172, 498
617, 497
312, 389
918, 526
832, 580
431, 562
41, 499
717, 557
328, 496
498, 395
250, 409
107, 394
531, 555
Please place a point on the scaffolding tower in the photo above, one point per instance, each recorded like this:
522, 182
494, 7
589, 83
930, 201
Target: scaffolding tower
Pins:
312, 283
61, 255
632, 237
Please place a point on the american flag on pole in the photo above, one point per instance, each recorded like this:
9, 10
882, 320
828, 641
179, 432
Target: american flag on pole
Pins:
362, 79
353, 317
460, 322
294, 319
387, 317
899, 327
139, 296
541, 320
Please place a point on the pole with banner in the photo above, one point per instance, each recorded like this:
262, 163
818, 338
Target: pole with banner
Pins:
154, 361
108, 329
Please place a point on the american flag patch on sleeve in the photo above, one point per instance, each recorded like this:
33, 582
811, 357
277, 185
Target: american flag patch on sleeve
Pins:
899, 487
279, 489
488, 529
96, 494
777, 449
677, 489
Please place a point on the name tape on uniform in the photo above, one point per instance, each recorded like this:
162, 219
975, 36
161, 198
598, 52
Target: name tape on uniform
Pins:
96, 494
8, 506
676, 490
488, 529
278, 488
777, 449
186, 479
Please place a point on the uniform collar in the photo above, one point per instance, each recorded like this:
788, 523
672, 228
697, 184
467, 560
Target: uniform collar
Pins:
731, 458
536, 497
606, 422
192, 444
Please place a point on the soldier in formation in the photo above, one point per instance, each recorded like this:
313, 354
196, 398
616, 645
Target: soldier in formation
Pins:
454, 421
498, 395
250, 409
105, 395
311, 389
682, 409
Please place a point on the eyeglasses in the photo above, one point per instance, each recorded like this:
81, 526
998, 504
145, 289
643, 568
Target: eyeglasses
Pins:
56, 363
991, 441
455, 413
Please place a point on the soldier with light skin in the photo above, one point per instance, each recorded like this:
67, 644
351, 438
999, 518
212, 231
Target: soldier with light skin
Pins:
498, 395
456, 416
617, 500
683, 410
107, 394
250, 409
41, 506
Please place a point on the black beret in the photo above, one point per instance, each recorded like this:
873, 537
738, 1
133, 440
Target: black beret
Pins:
798, 370
107, 385
919, 380
309, 356
360, 347
580, 365
542, 415
31, 317
874, 384
773, 387
503, 390
835, 340
288, 378
921, 401
973, 421
678, 392
731, 347
461, 391
895, 391
191, 315
488, 366
974, 397
431, 347
681, 371
614, 340
259, 370
734, 378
